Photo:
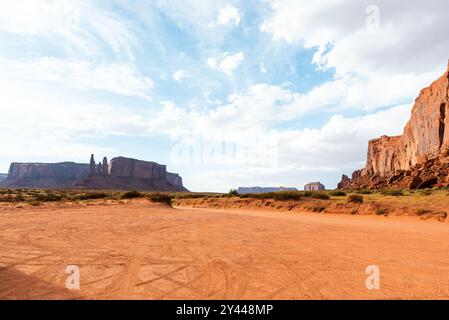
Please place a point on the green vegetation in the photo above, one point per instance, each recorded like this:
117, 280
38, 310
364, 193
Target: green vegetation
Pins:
161, 198
422, 212
319, 195
393, 193
131, 195
92, 196
49, 197
233, 192
382, 211
277, 196
317, 209
355, 198
364, 192
337, 193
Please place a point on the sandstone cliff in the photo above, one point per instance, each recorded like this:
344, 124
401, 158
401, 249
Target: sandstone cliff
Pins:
121, 174
3, 176
419, 157
126, 173
45, 175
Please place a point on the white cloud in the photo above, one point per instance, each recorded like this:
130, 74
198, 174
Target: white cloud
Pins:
262, 68
179, 75
226, 62
378, 62
229, 16
302, 155
79, 26
343, 30
117, 78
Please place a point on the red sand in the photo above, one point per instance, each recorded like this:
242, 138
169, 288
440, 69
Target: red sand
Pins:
150, 251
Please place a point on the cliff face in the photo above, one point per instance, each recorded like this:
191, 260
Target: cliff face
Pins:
45, 175
126, 173
120, 174
419, 154
132, 168
3, 176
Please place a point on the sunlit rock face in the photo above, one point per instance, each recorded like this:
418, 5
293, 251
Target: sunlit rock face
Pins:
424, 144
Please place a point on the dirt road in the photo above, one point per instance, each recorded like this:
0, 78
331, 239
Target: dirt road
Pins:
150, 251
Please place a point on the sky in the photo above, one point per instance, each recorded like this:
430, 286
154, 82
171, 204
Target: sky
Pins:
226, 93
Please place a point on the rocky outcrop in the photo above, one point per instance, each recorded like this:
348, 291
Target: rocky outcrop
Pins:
258, 190
120, 174
45, 175
3, 177
314, 186
417, 159
126, 173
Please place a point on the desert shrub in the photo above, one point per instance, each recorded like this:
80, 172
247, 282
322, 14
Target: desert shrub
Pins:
278, 196
355, 198
320, 195
393, 193
425, 192
381, 211
286, 196
49, 197
35, 203
20, 198
233, 192
363, 192
338, 193
316, 195
131, 195
317, 209
161, 198
422, 212
7, 199
92, 196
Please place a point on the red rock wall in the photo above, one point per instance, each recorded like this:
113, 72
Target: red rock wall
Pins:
425, 136
131, 168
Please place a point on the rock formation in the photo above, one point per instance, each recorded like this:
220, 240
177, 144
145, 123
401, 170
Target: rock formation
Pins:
45, 175
3, 176
420, 157
314, 186
127, 173
258, 190
120, 174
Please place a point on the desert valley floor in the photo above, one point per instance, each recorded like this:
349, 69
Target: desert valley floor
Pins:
141, 250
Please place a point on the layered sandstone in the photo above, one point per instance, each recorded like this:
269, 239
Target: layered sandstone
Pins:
3, 176
419, 157
120, 174
45, 175
126, 173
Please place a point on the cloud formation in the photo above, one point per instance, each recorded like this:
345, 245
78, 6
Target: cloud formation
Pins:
226, 62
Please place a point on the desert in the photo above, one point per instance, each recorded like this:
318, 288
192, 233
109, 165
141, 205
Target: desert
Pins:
210, 246
224, 153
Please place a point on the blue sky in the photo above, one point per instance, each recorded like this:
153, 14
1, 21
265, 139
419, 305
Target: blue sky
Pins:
227, 93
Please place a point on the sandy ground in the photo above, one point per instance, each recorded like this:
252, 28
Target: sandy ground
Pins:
150, 251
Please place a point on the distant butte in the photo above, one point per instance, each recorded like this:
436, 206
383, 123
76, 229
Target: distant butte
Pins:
417, 159
120, 174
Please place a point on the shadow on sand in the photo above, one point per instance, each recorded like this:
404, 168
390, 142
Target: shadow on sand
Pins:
15, 285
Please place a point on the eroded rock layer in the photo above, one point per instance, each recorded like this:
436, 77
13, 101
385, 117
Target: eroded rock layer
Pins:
45, 175
420, 157
120, 174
